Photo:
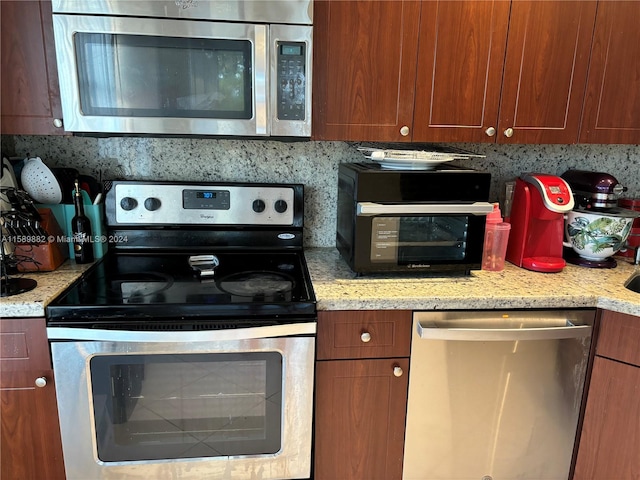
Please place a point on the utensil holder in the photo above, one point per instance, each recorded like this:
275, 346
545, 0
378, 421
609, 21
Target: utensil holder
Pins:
64, 213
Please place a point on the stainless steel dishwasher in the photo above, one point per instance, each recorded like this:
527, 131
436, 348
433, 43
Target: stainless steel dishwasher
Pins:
495, 394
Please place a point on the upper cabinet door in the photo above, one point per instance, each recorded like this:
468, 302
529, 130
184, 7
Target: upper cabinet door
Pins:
30, 92
545, 71
462, 45
364, 69
612, 102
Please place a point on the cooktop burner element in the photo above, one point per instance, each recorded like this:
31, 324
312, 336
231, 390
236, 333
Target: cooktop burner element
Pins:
258, 285
206, 269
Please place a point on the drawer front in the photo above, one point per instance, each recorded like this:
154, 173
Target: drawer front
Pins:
619, 337
23, 346
364, 334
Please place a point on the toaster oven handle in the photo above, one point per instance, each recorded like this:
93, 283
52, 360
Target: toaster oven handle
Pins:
367, 209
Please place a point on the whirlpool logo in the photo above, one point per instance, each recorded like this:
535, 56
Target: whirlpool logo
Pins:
204, 216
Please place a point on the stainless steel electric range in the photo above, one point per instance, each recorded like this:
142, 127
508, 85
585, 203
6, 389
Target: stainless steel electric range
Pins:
187, 351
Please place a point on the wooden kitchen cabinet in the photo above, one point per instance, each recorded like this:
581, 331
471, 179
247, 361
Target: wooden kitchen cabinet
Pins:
364, 69
511, 72
30, 91
610, 439
361, 394
612, 100
487, 71
29, 428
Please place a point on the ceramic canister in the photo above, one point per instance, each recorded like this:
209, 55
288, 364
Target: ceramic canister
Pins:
598, 235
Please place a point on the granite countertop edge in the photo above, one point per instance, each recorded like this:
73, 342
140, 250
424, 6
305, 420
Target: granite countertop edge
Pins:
49, 286
338, 288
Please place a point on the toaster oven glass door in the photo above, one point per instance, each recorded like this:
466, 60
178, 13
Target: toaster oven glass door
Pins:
448, 236
402, 240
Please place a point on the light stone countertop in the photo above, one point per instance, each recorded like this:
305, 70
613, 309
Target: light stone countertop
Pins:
50, 285
337, 288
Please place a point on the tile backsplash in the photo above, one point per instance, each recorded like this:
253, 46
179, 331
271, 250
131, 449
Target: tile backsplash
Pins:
314, 164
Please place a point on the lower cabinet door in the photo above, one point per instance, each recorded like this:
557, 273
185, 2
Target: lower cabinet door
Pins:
31, 446
360, 418
610, 441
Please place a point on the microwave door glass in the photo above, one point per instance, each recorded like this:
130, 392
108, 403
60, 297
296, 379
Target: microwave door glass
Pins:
405, 240
150, 76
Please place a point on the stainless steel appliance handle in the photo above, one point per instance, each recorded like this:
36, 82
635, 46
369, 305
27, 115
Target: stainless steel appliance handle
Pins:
365, 209
430, 331
271, 331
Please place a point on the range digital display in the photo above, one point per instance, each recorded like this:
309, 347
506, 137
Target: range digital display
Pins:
206, 200
206, 194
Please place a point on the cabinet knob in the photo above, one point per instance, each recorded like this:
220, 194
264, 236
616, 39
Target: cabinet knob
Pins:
508, 132
404, 131
365, 337
41, 382
490, 131
57, 122
397, 371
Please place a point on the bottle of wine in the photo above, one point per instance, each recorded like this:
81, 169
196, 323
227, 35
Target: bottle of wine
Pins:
81, 229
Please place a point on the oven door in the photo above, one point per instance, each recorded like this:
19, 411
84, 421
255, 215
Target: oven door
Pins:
427, 237
208, 404
132, 75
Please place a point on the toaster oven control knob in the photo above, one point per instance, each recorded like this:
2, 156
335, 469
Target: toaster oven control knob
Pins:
41, 382
152, 204
397, 370
258, 206
404, 131
280, 206
128, 203
490, 131
365, 337
508, 132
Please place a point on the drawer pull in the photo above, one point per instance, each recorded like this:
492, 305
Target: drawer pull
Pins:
365, 337
397, 371
41, 382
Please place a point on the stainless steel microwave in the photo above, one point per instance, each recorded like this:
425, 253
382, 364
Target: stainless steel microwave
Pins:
185, 67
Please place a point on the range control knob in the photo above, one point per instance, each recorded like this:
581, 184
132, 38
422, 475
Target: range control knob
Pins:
152, 204
128, 203
258, 206
280, 206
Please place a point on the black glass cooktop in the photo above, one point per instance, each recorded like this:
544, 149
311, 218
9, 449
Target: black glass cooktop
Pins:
127, 288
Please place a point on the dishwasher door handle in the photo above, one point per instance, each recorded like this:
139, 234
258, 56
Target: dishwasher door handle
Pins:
431, 331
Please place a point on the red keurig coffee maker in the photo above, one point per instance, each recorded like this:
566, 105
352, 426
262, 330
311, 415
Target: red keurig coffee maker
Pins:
537, 222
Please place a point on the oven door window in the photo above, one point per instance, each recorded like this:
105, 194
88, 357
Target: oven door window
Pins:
125, 75
152, 407
405, 240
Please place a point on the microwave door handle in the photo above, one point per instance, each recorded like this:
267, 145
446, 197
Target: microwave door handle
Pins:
367, 209
261, 72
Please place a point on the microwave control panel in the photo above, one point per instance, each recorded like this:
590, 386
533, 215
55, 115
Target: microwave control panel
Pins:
291, 80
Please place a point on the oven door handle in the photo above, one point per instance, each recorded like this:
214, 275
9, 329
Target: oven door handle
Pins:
368, 209
98, 335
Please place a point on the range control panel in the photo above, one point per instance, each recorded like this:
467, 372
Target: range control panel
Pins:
148, 203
